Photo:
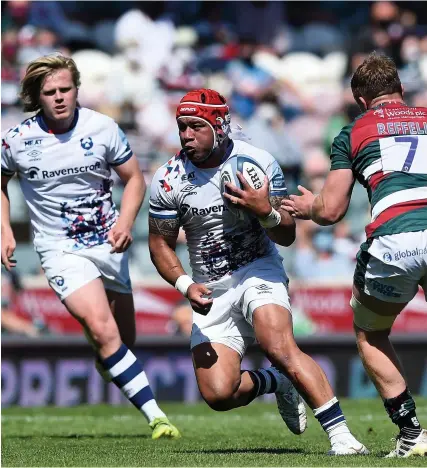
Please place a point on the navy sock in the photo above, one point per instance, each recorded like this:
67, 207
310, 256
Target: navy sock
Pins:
331, 417
264, 382
127, 373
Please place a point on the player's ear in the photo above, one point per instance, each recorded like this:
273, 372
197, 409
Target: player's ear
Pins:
362, 103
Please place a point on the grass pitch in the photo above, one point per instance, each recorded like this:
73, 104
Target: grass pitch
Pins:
250, 436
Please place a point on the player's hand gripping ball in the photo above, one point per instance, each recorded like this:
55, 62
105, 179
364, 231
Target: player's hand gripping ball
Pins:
251, 171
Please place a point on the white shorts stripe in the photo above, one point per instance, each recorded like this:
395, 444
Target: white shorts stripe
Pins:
135, 385
122, 365
401, 196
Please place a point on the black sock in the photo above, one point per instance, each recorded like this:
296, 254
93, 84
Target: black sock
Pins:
401, 410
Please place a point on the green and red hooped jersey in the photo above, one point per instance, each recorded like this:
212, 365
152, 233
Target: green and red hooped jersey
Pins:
386, 148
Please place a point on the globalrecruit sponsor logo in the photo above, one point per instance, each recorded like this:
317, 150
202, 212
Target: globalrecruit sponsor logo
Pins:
410, 253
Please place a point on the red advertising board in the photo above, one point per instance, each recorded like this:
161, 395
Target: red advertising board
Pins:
153, 305
326, 307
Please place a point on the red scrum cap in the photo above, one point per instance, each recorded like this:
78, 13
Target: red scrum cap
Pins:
210, 106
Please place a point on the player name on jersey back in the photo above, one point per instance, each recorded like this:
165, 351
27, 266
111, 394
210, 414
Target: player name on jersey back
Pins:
386, 147
401, 121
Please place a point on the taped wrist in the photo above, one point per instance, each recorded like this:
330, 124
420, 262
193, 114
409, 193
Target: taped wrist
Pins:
183, 283
272, 220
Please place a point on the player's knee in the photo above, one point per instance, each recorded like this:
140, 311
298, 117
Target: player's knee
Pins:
219, 401
370, 337
285, 357
282, 354
219, 397
103, 331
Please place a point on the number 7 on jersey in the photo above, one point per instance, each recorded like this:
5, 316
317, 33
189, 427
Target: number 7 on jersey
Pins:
412, 150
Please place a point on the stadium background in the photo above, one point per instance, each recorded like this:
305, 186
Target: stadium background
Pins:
285, 69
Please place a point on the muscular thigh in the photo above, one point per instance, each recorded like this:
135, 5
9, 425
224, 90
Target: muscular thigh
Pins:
273, 328
89, 303
216, 366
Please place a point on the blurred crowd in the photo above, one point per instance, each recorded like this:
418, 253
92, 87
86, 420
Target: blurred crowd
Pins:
284, 67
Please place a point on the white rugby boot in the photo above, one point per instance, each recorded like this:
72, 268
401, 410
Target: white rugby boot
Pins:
347, 444
410, 447
291, 405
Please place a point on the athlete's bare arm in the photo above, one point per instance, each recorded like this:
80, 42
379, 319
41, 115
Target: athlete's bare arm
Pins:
163, 233
133, 196
331, 204
5, 204
162, 243
8, 243
120, 235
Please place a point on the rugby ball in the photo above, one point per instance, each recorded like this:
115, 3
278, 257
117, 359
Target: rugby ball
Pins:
251, 171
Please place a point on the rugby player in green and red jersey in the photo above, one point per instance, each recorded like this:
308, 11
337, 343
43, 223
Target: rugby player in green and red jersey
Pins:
385, 149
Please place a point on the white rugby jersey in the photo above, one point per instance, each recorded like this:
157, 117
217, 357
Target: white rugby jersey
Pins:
218, 242
65, 178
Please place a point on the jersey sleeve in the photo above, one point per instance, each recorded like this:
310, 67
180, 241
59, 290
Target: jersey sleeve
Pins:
119, 150
341, 151
277, 180
8, 164
162, 203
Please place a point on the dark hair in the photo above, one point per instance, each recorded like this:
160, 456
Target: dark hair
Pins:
376, 76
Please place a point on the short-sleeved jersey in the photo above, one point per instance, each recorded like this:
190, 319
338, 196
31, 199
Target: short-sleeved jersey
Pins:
218, 242
386, 148
65, 178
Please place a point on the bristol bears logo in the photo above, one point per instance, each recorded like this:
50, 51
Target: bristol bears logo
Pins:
87, 144
59, 280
